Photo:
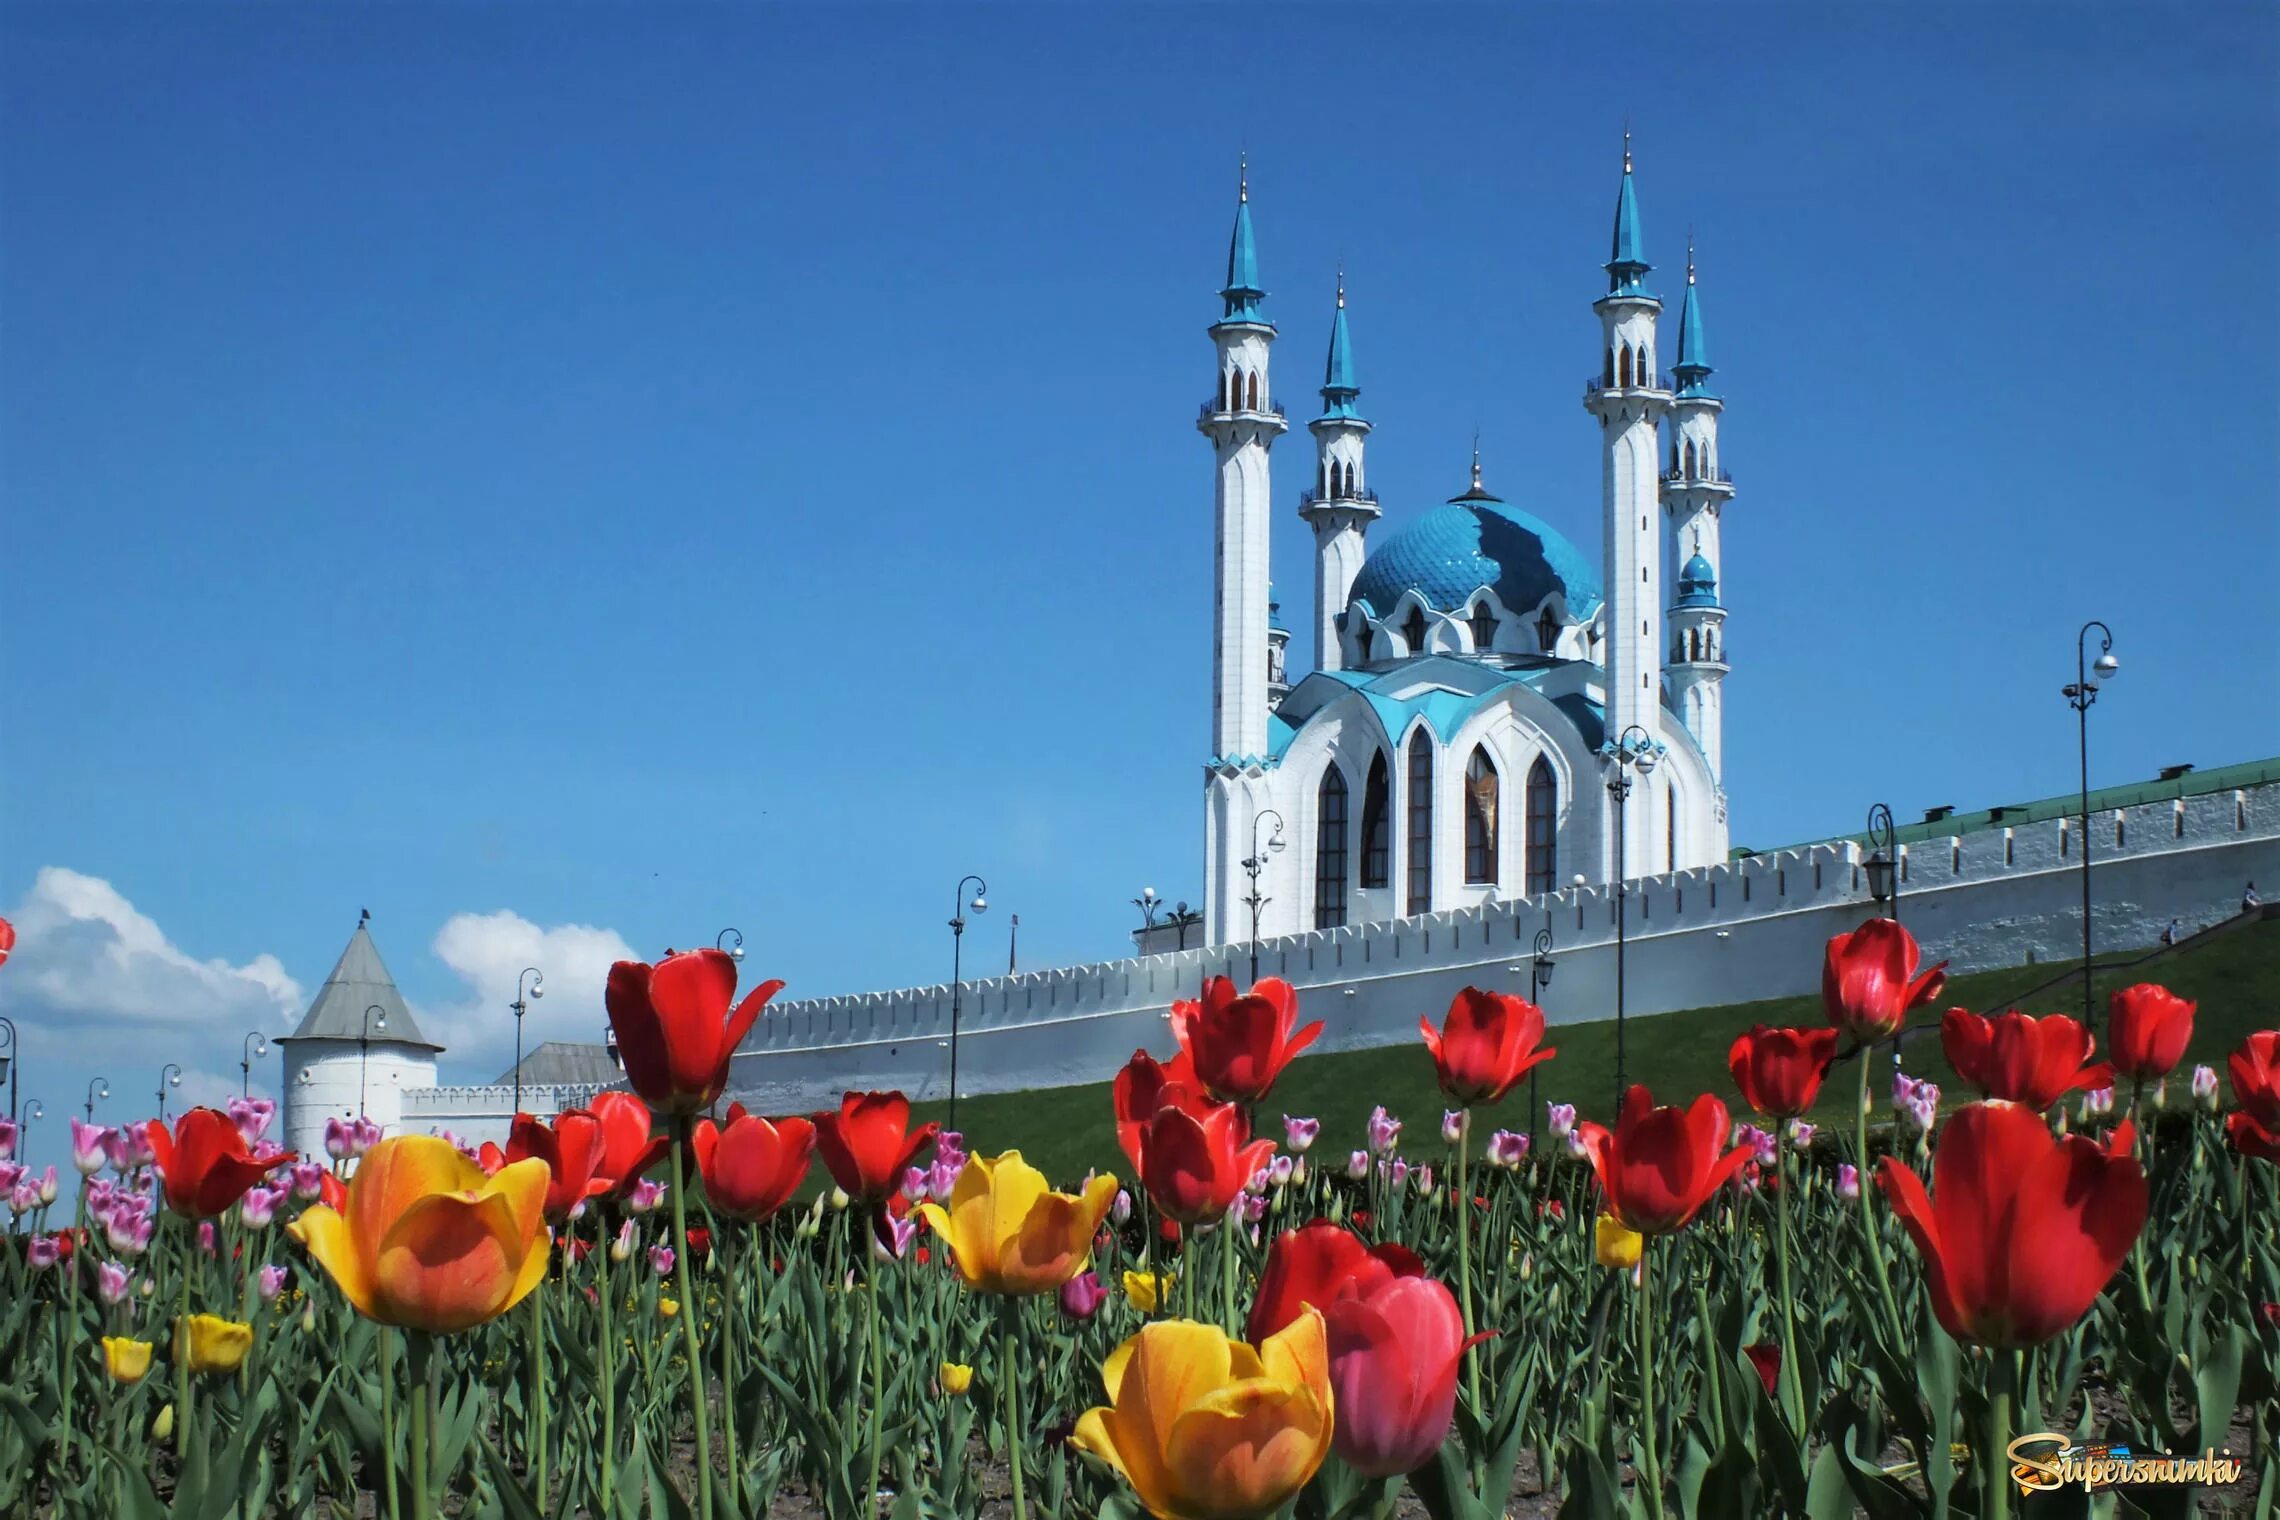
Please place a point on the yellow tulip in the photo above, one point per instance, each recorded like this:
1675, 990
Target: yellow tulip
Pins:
428, 1242
668, 1307
128, 1361
956, 1378
1145, 1290
1010, 1233
1206, 1428
162, 1428
216, 1344
1617, 1244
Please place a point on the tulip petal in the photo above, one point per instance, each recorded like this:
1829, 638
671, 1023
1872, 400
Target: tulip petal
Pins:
1153, 1379
641, 1041
324, 1234
690, 994
2078, 1213
1248, 1448
393, 1177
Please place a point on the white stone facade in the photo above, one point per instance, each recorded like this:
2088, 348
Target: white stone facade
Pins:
325, 1081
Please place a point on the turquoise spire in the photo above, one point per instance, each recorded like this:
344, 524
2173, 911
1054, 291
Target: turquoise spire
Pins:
1338, 385
1626, 270
1242, 293
1693, 365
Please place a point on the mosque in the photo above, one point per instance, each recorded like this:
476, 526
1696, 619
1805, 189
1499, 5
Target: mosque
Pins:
1480, 685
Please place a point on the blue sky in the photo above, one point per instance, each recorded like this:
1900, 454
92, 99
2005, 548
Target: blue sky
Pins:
668, 468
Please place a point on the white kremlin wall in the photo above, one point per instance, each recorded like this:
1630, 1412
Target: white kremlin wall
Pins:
1735, 932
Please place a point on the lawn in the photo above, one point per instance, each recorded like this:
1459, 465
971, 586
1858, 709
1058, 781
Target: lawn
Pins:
2234, 976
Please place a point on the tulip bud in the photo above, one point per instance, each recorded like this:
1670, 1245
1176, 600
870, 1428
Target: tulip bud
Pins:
1280, 1170
839, 1200
2205, 1086
147, 1288
2161, 1095
661, 1260
1452, 1125
47, 1185
625, 1242
89, 1151
1848, 1182
162, 1428
1298, 1134
1358, 1166
270, 1284
44, 1252
1298, 1172
1560, 1119
309, 1317
111, 1282
645, 1197
955, 1378
1121, 1210
1082, 1296
1384, 1131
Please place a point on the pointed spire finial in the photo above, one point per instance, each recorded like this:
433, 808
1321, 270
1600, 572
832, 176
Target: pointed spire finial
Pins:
1476, 459
1341, 284
1243, 177
1690, 255
363, 917
1698, 539
1626, 144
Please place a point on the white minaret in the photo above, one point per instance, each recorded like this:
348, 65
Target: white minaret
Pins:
1341, 505
1695, 491
1242, 422
1629, 402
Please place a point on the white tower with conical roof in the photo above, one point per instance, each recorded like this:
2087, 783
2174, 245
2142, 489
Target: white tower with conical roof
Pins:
1695, 491
1341, 505
355, 1052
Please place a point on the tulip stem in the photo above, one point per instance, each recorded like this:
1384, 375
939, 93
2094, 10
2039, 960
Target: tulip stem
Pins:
535, 1457
66, 1351
1650, 1469
878, 1350
728, 1334
689, 1313
1793, 1378
1464, 1269
1230, 1229
388, 1422
1998, 1492
1868, 1208
608, 1365
1009, 1330
182, 1343
419, 1350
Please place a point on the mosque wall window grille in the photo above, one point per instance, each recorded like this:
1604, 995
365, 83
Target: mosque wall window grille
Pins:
1543, 801
1547, 630
1413, 630
1330, 851
1480, 819
1377, 843
1420, 895
1483, 627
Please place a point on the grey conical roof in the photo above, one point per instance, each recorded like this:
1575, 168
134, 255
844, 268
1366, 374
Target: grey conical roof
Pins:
359, 982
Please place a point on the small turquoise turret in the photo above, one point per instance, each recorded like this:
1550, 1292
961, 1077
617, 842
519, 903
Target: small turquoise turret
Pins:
1242, 293
1693, 367
1627, 267
1339, 388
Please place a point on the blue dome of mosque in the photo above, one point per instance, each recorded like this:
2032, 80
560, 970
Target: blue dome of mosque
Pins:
1697, 584
1475, 541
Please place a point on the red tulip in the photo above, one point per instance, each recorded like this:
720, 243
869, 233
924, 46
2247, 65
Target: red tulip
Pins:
1779, 1070
1486, 1043
1320, 1264
1139, 1092
628, 1148
1869, 980
2022, 1229
675, 1029
1765, 1357
2255, 1071
1241, 1043
1394, 1354
1660, 1165
2022, 1059
2147, 1027
1195, 1164
332, 1193
869, 1142
206, 1163
2251, 1138
751, 1167
568, 1147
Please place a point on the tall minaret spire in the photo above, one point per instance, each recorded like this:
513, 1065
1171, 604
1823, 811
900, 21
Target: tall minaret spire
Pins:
1340, 506
1695, 490
1242, 422
1629, 401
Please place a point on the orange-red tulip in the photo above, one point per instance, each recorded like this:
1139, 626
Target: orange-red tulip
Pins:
428, 1242
1195, 1158
751, 1167
2022, 1059
206, 1163
1779, 1071
869, 1142
1485, 1045
569, 1146
1320, 1264
2147, 1029
2255, 1072
2022, 1230
1138, 1092
629, 1145
1658, 1166
1869, 980
1241, 1042
675, 1028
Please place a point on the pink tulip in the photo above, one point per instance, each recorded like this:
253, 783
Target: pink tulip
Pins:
206, 1237
259, 1206
251, 1116
365, 1133
48, 1188
1357, 1166
891, 1240
44, 1251
1299, 1134
1120, 1212
1394, 1357
1384, 1131
1560, 1119
645, 1197
113, 1282
1082, 1296
308, 1180
914, 1183
88, 1151
270, 1283
7, 1139
1507, 1149
128, 1228
24, 1197
661, 1260
1452, 1125
1848, 1181
627, 1242
340, 1139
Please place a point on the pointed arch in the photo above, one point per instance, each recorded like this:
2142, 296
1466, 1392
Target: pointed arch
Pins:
1543, 828
1251, 391
1420, 894
1413, 629
1623, 364
1377, 825
1547, 630
1330, 849
1483, 623
1481, 785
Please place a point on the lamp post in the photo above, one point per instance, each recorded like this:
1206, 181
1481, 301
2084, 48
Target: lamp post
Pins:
169, 1075
1183, 919
1149, 905
1883, 871
1625, 755
536, 988
32, 1110
97, 1087
254, 1044
958, 910
1254, 863
735, 951
1539, 977
610, 1044
375, 1017
2079, 696
10, 1064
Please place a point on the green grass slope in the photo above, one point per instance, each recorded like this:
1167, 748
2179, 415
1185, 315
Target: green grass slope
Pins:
2234, 976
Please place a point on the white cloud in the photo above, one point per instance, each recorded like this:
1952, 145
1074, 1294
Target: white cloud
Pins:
488, 952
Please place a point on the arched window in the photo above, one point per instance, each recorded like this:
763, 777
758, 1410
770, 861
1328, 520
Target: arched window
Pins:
1670, 831
1377, 832
1330, 850
1623, 365
1413, 630
1480, 818
1420, 824
1547, 630
1483, 627
1543, 823
1251, 391
1234, 390
1609, 378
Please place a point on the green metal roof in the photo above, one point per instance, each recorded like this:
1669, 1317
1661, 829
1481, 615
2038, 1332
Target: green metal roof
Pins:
2129, 794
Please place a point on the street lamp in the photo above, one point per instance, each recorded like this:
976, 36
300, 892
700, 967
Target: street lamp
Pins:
255, 1044
610, 1044
1254, 863
2079, 696
1882, 869
537, 989
375, 1017
1183, 919
169, 1075
959, 907
9, 1063
1149, 905
32, 1110
735, 951
1625, 755
97, 1088
1539, 977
